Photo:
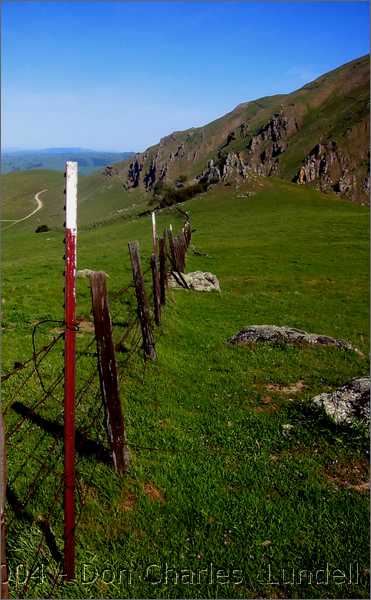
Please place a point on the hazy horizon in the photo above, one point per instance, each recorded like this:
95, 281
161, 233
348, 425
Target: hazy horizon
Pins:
12, 149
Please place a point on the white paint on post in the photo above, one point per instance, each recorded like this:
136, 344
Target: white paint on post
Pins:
71, 195
154, 233
171, 227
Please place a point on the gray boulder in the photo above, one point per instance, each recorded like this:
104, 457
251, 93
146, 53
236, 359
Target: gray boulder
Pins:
349, 403
197, 280
286, 335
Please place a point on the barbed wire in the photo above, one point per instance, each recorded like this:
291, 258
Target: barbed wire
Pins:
90, 447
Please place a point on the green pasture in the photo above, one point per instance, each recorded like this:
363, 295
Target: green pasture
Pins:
222, 500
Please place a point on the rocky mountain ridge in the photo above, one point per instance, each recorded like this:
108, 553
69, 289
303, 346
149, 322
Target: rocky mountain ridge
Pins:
318, 135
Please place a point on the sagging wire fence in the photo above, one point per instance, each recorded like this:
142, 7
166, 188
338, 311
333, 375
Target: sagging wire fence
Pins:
35, 471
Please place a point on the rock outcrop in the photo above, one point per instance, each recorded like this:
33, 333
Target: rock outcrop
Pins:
329, 167
134, 171
196, 280
270, 142
224, 168
286, 335
348, 404
259, 156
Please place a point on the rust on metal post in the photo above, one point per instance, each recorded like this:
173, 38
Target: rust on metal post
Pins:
107, 368
70, 369
163, 270
142, 302
4, 588
156, 289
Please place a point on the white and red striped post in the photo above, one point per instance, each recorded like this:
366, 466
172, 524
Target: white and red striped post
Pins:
70, 369
154, 233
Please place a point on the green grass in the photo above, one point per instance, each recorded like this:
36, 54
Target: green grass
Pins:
214, 480
100, 199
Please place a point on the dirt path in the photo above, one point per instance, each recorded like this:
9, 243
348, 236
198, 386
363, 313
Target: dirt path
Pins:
39, 206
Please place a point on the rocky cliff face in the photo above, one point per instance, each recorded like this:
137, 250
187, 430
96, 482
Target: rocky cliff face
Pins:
315, 136
224, 168
331, 166
328, 166
259, 155
270, 142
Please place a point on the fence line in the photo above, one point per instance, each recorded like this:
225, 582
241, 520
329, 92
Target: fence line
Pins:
43, 456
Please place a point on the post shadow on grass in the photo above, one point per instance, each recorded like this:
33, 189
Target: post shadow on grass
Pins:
84, 445
27, 517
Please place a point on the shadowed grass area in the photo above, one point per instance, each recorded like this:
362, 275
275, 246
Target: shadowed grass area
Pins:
221, 499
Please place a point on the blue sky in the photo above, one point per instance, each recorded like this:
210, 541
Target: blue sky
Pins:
120, 75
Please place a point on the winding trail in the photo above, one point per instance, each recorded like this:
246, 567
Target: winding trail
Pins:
39, 206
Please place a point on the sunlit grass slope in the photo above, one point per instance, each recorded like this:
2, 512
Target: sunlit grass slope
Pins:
214, 478
100, 199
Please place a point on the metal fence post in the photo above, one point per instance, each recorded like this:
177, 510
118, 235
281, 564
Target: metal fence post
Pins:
4, 590
70, 369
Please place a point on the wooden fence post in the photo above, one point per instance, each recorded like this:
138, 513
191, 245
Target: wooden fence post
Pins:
142, 302
172, 249
188, 233
181, 245
4, 590
163, 269
156, 289
108, 372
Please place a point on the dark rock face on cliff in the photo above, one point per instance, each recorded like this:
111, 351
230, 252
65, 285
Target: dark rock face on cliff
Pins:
328, 166
224, 168
261, 154
316, 136
339, 168
269, 143
134, 172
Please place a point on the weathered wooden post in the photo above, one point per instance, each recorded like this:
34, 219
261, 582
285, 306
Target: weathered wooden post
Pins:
163, 269
156, 289
172, 248
188, 233
107, 368
181, 246
155, 272
142, 302
4, 589
70, 368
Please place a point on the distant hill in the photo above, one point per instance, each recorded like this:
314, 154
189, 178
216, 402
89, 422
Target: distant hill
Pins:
317, 135
55, 159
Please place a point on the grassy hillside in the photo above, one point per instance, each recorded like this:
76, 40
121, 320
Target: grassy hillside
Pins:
100, 198
214, 478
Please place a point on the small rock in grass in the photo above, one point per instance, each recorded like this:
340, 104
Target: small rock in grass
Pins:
87, 273
42, 229
197, 280
286, 335
287, 428
348, 404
